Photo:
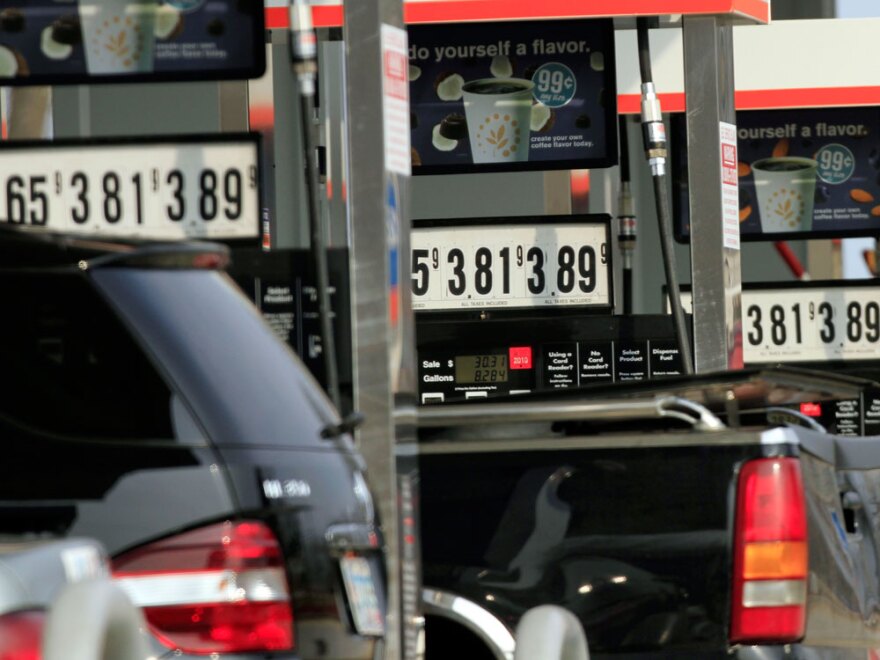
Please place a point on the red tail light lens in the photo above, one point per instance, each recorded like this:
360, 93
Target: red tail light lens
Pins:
218, 589
770, 553
20, 635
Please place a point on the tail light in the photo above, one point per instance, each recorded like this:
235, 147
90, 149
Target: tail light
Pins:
20, 635
217, 589
770, 553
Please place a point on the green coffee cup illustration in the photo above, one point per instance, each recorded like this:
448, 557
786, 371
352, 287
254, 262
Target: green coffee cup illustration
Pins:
118, 35
498, 112
785, 187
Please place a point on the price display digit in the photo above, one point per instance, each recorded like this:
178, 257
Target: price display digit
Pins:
510, 266
536, 278
26, 200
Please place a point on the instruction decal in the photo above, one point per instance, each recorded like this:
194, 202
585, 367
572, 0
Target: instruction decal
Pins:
729, 186
395, 100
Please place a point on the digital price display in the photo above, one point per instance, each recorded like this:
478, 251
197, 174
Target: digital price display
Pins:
481, 369
139, 189
511, 263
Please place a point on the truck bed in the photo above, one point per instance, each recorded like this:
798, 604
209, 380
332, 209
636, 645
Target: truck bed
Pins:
634, 532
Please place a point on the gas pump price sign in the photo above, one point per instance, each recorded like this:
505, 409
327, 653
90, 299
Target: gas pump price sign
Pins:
544, 264
142, 189
810, 322
812, 325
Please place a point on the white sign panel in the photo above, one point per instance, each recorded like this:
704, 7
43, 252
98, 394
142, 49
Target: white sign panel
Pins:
815, 324
133, 190
729, 186
395, 103
812, 325
546, 265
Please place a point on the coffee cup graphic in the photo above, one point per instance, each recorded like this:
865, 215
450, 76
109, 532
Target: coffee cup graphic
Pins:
118, 35
498, 112
785, 188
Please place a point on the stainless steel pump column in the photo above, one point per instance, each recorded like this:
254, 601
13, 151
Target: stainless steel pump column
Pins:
382, 321
717, 282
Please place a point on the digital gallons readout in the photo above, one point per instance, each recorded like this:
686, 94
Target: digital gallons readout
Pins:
481, 369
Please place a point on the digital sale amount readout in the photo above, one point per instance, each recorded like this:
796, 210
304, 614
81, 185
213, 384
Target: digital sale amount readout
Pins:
141, 189
506, 265
471, 369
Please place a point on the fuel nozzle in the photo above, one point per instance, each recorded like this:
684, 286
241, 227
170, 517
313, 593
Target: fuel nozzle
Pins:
303, 45
627, 226
653, 130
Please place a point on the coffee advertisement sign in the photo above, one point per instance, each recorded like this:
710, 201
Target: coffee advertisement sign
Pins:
512, 96
801, 173
46, 42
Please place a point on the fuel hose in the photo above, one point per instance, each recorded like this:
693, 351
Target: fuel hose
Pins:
626, 219
304, 55
654, 136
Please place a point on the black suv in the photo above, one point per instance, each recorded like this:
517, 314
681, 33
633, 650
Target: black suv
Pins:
143, 402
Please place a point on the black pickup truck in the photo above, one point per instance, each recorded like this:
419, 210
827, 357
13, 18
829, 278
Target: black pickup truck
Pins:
694, 518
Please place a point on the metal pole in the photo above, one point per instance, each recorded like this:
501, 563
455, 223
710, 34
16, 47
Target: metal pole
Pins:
28, 109
715, 264
377, 117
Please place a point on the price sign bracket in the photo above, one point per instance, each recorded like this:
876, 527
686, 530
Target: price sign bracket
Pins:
510, 266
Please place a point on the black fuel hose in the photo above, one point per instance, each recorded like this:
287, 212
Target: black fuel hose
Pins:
644, 44
627, 291
654, 135
304, 55
626, 219
624, 149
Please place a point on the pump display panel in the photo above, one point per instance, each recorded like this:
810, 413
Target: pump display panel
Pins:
467, 359
148, 189
823, 325
510, 305
47, 42
540, 262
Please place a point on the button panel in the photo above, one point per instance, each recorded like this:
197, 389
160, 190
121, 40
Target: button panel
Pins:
557, 365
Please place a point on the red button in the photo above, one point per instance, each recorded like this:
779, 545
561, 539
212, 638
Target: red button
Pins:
811, 409
520, 357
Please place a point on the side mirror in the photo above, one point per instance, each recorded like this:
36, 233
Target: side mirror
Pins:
550, 632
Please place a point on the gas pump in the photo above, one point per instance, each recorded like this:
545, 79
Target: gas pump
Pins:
514, 303
808, 171
519, 304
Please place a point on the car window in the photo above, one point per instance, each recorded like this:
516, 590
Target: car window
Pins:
68, 366
243, 385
